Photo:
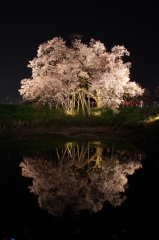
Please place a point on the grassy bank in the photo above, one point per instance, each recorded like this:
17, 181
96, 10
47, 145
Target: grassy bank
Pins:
22, 116
24, 122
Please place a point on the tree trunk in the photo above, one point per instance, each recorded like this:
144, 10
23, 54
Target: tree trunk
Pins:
99, 102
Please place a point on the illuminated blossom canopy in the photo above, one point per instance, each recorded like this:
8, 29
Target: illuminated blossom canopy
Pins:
71, 76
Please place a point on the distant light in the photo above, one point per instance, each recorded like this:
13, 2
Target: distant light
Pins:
152, 119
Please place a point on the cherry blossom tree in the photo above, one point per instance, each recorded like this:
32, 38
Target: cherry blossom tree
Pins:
71, 76
83, 177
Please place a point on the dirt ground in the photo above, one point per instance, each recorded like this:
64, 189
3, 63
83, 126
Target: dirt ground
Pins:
117, 132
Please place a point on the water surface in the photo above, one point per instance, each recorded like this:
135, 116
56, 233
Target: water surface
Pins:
60, 188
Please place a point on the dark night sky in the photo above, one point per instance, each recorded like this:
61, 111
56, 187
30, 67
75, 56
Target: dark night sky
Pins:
24, 25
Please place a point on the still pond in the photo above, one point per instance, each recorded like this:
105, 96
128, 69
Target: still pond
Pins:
57, 188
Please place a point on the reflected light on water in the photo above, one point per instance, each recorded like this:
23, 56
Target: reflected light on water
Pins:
81, 176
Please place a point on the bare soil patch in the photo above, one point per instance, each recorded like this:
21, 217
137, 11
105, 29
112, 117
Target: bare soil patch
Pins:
108, 131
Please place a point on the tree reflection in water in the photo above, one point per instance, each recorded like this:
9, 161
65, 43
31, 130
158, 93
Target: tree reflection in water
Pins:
83, 177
